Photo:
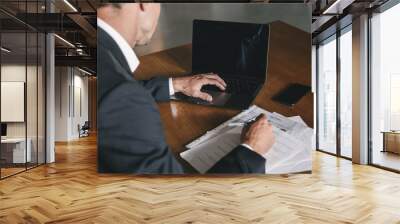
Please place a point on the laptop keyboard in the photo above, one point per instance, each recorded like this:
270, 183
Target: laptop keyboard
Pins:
235, 86
240, 86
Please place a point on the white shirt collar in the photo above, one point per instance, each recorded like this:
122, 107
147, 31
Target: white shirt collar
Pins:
127, 51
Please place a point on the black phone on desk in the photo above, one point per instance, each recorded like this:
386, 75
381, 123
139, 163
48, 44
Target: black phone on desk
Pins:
291, 94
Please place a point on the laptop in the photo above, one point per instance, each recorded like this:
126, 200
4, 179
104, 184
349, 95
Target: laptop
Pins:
3, 131
237, 52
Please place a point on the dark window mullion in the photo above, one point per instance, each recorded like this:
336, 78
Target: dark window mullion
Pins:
26, 87
37, 90
0, 97
369, 78
338, 94
317, 96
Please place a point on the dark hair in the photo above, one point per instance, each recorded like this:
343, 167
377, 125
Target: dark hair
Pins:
112, 3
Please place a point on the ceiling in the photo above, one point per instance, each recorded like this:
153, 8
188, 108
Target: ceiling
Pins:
72, 20
331, 15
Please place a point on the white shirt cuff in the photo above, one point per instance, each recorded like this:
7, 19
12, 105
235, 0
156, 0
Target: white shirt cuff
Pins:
247, 146
171, 87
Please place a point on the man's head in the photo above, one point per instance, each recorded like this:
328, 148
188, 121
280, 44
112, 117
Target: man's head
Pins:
136, 22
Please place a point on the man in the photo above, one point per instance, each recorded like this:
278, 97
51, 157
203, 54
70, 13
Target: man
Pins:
131, 138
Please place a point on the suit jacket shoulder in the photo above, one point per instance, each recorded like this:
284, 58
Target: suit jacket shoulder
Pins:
113, 68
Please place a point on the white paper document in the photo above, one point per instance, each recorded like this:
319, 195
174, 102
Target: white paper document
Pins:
246, 115
291, 152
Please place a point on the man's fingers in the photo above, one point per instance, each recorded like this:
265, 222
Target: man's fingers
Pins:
204, 96
215, 77
208, 81
260, 117
253, 121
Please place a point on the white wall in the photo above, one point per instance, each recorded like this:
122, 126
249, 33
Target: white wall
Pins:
71, 94
62, 82
79, 117
12, 101
16, 73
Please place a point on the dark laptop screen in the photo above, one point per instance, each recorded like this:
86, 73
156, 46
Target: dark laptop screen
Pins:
3, 129
230, 48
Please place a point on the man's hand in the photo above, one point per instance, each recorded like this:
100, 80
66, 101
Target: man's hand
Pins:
258, 135
191, 85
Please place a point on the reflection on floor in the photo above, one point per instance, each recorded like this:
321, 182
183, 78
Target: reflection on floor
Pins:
387, 159
71, 191
8, 170
346, 152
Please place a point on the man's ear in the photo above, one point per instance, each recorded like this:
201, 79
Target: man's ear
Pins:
145, 6
141, 6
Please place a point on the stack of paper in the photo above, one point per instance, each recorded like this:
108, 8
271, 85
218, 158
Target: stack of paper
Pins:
291, 152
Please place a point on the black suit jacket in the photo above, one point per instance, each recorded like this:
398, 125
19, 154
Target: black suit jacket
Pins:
130, 132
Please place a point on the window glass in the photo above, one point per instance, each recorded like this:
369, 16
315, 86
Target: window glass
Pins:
327, 96
15, 149
385, 88
346, 94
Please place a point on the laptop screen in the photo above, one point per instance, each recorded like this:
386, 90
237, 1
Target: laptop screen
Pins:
230, 48
3, 129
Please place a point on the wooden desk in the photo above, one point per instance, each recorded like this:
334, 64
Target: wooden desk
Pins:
391, 141
289, 61
13, 150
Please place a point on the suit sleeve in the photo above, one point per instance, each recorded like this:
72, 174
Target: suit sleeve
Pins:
158, 88
240, 160
130, 136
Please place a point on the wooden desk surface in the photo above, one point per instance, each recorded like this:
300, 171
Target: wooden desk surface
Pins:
289, 61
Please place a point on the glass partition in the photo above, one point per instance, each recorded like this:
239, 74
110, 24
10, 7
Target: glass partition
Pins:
15, 150
22, 90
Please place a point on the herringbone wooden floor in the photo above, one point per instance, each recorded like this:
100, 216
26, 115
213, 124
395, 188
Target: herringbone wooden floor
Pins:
71, 191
